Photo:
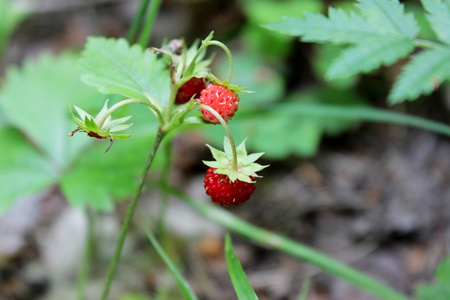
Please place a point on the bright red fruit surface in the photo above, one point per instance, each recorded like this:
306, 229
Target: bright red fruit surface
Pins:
222, 100
224, 192
191, 88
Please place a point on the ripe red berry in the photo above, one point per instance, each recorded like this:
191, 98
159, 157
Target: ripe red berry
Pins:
225, 192
222, 100
190, 88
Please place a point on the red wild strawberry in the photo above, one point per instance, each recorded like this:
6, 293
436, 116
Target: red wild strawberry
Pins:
225, 192
190, 88
222, 100
230, 179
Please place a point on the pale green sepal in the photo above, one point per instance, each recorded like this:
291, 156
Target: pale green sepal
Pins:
252, 158
240, 150
90, 124
82, 113
252, 169
212, 164
103, 111
245, 178
233, 176
218, 155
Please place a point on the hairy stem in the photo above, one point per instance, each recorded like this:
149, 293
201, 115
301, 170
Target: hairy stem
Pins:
129, 215
227, 51
227, 130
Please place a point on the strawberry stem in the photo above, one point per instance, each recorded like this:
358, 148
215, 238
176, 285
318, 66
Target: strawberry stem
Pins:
227, 130
227, 51
131, 208
125, 102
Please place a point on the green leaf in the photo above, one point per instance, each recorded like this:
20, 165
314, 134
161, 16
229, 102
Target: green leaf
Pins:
23, 170
390, 17
426, 71
340, 27
98, 178
114, 67
439, 17
241, 285
440, 289
35, 99
443, 271
368, 57
184, 286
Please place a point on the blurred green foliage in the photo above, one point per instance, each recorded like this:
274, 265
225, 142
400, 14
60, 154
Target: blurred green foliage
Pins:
440, 288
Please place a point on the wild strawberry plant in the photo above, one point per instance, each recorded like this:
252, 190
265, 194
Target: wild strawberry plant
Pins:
162, 89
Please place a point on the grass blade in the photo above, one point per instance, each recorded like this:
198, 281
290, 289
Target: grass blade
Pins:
242, 286
182, 283
296, 249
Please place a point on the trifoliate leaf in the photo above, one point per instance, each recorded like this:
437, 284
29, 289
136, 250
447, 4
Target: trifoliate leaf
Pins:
114, 67
390, 17
23, 170
426, 71
439, 17
35, 99
98, 179
368, 57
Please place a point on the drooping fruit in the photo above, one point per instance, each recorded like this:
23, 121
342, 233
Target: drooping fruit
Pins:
224, 101
225, 192
230, 179
190, 88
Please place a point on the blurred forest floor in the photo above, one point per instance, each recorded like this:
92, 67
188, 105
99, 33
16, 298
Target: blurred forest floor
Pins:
377, 198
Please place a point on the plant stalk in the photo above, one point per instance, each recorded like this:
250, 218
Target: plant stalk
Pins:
137, 21
150, 20
131, 208
227, 130
110, 110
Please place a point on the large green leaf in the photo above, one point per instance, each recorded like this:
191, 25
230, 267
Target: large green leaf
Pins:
365, 58
390, 16
36, 100
115, 67
339, 27
23, 170
98, 178
439, 17
426, 71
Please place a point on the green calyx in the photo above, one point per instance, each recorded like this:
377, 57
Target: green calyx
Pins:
228, 85
102, 126
246, 165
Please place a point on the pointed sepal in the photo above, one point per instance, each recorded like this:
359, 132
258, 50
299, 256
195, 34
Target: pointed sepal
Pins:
246, 164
